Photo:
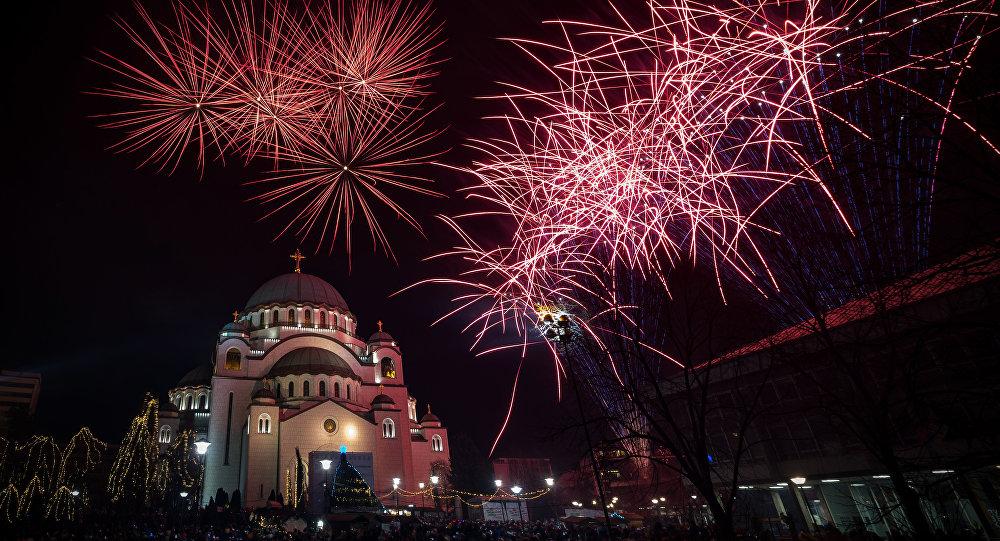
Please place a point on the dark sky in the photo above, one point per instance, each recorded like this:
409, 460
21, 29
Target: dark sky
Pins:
119, 279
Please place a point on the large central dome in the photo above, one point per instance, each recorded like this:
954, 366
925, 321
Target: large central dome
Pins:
296, 288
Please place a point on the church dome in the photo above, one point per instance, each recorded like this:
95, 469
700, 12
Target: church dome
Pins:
379, 337
310, 360
382, 399
297, 288
235, 326
200, 375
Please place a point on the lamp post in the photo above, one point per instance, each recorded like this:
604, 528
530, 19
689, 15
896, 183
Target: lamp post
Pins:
421, 486
434, 491
517, 501
395, 490
325, 463
201, 449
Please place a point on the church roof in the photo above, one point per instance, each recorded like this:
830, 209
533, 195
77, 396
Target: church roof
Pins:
296, 287
310, 360
383, 399
200, 375
380, 336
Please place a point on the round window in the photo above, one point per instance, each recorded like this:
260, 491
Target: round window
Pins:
330, 426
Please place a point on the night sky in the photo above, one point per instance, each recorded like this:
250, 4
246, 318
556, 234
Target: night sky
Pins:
121, 278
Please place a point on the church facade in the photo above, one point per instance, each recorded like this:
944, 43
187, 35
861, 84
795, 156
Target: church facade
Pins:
292, 384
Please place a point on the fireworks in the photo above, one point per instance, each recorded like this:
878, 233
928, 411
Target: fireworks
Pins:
340, 87
694, 133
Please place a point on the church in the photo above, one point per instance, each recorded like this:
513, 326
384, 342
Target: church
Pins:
292, 384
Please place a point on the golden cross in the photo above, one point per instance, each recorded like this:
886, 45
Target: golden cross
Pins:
380, 325
298, 257
236, 315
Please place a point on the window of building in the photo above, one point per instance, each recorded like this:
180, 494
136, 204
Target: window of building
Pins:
322, 319
291, 315
274, 317
348, 391
388, 368
264, 424
308, 317
388, 428
190, 402
322, 388
305, 388
437, 444
291, 389
253, 320
165, 434
336, 389
234, 359
203, 402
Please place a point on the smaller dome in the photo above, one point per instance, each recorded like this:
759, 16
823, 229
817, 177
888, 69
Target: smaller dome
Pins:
311, 360
381, 336
197, 377
383, 399
263, 393
236, 326
429, 417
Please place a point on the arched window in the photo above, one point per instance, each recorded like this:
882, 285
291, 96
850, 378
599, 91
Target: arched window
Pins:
264, 424
291, 315
291, 389
274, 317
322, 319
190, 402
388, 428
253, 320
336, 319
348, 391
305, 388
388, 368
234, 359
322, 388
437, 444
309, 316
179, 401
165, 434
203, 402
336, 389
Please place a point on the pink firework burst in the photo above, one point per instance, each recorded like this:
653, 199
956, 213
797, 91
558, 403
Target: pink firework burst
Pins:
177, 97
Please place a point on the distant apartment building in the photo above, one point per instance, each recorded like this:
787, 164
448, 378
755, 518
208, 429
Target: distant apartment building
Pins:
19, 389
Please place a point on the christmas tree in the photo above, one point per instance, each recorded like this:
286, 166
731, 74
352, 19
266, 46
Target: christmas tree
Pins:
350, 491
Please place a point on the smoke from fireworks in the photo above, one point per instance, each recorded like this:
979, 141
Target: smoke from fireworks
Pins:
329, 87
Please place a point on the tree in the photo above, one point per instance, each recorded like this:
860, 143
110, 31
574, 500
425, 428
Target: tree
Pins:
350, 490
130, 481
471, 471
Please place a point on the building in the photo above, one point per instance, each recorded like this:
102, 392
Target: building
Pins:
292, 378
19, 390
928, 350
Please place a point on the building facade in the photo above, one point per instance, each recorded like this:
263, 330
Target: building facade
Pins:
291, 384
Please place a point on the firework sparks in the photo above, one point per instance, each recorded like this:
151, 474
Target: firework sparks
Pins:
335, 97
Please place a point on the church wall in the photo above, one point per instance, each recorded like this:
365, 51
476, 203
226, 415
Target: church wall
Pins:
262, 458
424, 457
217, 472
392, 459
262, 366
306, 432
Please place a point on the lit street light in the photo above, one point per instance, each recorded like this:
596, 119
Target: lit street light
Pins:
326, 463
498, 483
550, 481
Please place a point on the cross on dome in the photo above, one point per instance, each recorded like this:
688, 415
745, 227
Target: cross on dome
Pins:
298, 257
236, 315
379, 322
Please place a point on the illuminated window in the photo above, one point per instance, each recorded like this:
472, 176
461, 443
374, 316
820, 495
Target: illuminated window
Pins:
264, 424
348, 391
234, 359
291, 389
388, 428
274, 317
322, 319
291, 315
388, 368
336, 389
437, 444
305, 388
190, 402
308, 316
322, 388
203, 402
164, 434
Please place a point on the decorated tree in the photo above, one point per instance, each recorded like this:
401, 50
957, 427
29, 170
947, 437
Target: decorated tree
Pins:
350, 490
133, 473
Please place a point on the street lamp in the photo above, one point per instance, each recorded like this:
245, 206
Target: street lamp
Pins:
498, 483
515, 489
550, 481
326, 463
421, 486
201, 449
799, 480
184, 494
435, 479
75, 493
395, 490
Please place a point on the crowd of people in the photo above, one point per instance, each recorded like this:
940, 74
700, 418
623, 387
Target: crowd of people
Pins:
245, 526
